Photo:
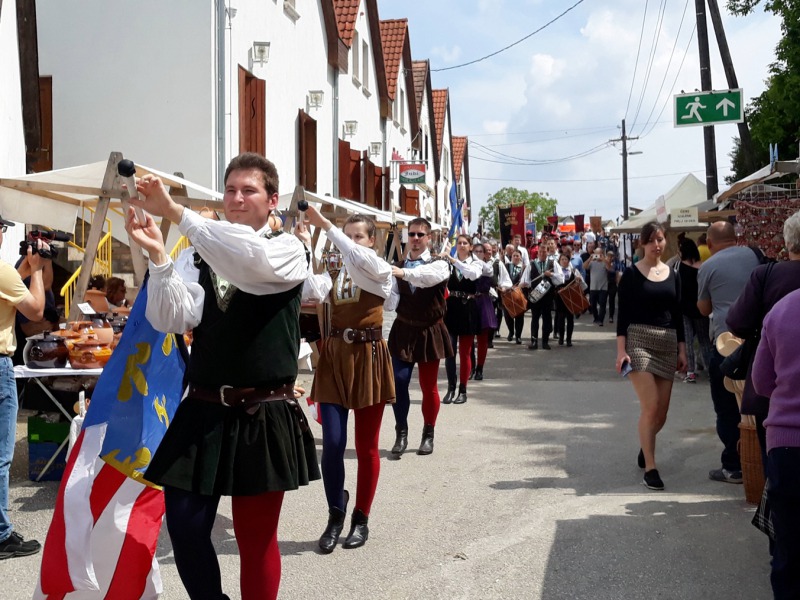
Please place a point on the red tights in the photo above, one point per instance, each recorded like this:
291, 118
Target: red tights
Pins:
255, 524
483, 345
428, 382
464, 358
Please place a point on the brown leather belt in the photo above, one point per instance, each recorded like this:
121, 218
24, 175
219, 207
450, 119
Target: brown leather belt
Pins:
371, 334
247, 397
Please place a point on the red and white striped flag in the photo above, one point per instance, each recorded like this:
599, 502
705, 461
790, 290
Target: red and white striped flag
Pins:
102, 540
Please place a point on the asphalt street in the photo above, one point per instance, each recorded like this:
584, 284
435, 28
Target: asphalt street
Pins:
532, 492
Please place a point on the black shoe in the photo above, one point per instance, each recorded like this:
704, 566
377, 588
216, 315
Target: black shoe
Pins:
401, 441
545, 345
448, 397
330, 537
471, 374
359, 532
640, 459
519, 340
16, 545
533, 345
462, 395
426, 445
478, 373
652, 481
509, 338
490, 344
569, 343
560, 341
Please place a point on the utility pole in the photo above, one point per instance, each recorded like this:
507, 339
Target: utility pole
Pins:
705, 83
624, 139
730, 74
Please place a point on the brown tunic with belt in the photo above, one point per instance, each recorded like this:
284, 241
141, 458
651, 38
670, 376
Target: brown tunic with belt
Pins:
359, 374
419, 334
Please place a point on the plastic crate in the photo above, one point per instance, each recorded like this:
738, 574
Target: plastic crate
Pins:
38, 455
40, 430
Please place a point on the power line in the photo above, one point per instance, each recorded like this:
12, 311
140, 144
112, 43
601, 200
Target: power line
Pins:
651, 59
477, 60
636, 64
582, 180
666, 70
517, 161
599, 128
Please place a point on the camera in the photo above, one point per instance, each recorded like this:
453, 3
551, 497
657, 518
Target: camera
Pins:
46, 236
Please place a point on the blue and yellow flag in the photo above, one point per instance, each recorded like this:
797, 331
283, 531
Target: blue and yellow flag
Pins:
138, 392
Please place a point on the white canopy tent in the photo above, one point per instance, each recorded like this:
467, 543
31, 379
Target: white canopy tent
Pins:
688, 192
57, 198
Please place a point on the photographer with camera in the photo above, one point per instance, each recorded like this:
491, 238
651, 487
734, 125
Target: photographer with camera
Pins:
14, 296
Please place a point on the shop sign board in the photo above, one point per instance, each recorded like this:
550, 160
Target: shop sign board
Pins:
412, 173
684, 217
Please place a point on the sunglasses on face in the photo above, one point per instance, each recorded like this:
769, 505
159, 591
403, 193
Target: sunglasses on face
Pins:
416, 234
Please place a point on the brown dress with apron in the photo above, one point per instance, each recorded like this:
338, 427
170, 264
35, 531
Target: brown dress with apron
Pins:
358, 374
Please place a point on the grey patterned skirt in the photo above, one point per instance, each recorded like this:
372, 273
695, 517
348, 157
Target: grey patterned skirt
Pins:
652, 349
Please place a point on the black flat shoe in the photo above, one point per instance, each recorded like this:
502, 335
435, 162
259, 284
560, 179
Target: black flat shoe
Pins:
652, 480
640, 459
359, 532
426, 445
400, 442
448, 397
330, 537
462, 396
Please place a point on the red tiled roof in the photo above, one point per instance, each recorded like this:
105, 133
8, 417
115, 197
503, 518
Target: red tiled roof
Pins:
346, 15
459, 145
439, 113
393, 36
420, 70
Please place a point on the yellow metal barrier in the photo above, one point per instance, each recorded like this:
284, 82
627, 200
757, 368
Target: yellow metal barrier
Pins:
101, 266
182, 244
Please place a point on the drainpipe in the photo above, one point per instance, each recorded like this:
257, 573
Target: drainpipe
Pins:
335, 190
385, 164
220, 89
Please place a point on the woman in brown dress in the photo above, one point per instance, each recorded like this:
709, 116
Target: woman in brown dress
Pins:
354, 369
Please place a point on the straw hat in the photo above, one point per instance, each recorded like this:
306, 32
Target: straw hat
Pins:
727, 343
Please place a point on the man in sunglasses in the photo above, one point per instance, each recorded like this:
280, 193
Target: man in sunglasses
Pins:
418, 334
14, 296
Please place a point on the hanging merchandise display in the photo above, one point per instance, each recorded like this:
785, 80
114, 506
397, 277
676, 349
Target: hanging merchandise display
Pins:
760, 223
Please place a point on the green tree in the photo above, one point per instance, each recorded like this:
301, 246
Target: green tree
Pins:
774, 116
537, 205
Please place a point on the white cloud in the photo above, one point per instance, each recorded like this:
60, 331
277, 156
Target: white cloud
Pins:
495, 127
448, 55
545, 70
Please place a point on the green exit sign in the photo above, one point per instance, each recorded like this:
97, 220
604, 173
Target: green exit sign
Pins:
708, 108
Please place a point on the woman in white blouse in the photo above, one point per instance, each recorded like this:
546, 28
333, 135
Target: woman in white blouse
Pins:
354, 369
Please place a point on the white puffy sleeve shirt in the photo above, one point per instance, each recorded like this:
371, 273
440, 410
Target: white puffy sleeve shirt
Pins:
236, 253
367, 270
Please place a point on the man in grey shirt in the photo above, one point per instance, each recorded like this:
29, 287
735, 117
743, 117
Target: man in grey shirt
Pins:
720, 281
597, 274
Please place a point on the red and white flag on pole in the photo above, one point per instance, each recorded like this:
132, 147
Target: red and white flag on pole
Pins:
103, 537
102, 540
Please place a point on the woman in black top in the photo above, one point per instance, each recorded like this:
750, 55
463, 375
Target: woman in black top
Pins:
694, 323
650, 339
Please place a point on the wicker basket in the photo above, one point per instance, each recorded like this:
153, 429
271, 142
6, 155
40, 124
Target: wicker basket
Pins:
752, 467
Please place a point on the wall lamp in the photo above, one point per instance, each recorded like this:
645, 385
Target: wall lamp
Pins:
260, 52
350, 127
375, 148
315, 98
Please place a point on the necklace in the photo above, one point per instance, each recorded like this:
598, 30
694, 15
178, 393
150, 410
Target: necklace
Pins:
657, 271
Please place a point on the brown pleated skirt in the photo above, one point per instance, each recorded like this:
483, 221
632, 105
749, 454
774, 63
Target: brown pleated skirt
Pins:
652, 349
353, 375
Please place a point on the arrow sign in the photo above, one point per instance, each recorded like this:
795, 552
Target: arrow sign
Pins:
725, 104
708, 108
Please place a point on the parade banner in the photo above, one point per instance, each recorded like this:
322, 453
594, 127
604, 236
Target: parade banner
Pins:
579, 224
512, 222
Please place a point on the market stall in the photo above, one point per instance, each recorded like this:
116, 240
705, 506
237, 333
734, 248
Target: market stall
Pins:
95, 192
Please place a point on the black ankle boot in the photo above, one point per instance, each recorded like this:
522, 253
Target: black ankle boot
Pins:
462, 395
545, 344
478, 373
359, 532
330, 537
426, 446
401, 441
448, 397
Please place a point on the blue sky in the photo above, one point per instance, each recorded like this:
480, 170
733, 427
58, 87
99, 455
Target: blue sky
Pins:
563, 92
